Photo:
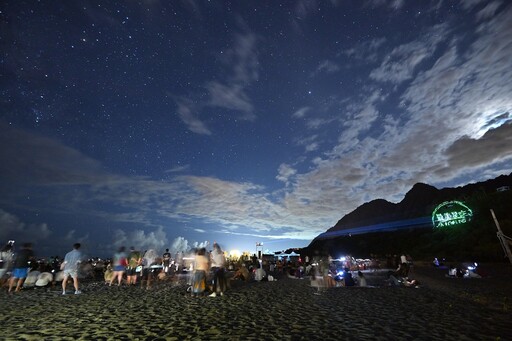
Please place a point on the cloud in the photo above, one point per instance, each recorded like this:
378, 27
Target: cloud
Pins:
54, 163
179, 244
199, 245
469, 152
394, 4
468, 5
305, 7
194, 124
178, 169
241, 70
242, 58
138, 201
366, 50
488, 11
301, 112
312, 147
327, 66
231, 96
310, 143
317, 122
400, 64
452, 113
285, 173
368, 115
71, 237
460, 100
12, 228
141, 239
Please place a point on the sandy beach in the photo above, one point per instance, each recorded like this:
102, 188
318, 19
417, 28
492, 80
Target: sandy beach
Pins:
287, 309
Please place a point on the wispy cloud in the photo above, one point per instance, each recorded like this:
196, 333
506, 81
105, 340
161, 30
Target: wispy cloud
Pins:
230, 96
400, 63
241, 65
326, 66
488, 11
243, 61
190, 118
178, 169
393, 5
285, 172
470, 4
301, 112
366, 50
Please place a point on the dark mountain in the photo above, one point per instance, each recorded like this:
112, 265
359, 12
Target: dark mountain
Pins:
383, 227
418, 202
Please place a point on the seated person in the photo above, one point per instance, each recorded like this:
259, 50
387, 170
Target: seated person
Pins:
459, 272
329, 282
260, 274
109, 273
299, 272
410, 283
242, 273
402, 270
347, 279
361, 280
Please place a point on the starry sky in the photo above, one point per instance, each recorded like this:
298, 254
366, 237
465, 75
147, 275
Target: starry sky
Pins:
174, 124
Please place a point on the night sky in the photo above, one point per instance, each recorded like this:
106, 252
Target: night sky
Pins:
174, 124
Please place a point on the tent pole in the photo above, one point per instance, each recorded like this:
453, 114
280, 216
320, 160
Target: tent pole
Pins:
503, 239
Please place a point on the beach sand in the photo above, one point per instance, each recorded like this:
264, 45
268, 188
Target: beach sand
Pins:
287, 309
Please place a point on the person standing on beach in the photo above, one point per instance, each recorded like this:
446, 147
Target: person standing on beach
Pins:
70, 266
119, 266
134, 261
218, 267
5, 260
200, 269
166, 260
260, 274
21, 266
361, 280
149, 259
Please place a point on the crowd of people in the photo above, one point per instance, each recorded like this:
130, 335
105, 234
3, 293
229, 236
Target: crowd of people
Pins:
207, 273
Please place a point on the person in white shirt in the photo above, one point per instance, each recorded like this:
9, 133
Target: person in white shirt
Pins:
260, 274
361, 280
70, 267
218, 265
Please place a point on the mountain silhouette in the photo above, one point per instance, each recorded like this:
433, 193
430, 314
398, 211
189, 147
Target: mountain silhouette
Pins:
383, 226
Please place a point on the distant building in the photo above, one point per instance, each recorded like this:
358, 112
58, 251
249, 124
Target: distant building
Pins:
503, 188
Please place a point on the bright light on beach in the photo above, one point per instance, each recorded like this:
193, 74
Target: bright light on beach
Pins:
235, 254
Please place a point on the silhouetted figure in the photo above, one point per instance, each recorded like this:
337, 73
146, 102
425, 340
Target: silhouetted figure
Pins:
21, 266
70, 266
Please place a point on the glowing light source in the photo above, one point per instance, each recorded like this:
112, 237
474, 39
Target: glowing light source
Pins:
235, 254
451, 213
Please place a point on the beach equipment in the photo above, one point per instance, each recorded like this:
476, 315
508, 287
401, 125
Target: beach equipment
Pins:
504, 240
43, 279
59, 276
31, 279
